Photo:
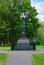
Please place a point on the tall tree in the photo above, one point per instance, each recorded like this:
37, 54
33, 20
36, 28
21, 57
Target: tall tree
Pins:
10, 12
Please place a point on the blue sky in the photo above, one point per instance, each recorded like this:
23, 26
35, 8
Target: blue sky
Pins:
39, 5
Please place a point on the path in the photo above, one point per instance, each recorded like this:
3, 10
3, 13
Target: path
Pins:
21, 57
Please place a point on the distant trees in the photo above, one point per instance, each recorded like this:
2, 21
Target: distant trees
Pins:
10, 21
40, 34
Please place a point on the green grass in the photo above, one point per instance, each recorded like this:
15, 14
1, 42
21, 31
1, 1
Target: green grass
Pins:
38, 59
3, 58
39, 46
4, 48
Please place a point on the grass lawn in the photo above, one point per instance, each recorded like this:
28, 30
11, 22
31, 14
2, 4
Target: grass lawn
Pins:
38, 59
3, 58
39, 46
4, 48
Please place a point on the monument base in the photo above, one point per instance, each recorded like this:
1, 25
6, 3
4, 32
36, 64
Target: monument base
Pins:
23, 44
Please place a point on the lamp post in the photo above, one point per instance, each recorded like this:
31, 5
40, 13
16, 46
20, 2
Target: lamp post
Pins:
23, 43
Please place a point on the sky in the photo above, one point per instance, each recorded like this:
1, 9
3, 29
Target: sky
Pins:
39, 5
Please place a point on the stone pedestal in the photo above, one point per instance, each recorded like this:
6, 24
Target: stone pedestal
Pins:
23, 44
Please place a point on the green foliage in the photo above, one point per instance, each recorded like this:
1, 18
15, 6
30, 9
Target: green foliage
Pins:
40, 35
10, 12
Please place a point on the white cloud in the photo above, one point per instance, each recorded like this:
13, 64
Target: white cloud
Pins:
40, 9
41, 17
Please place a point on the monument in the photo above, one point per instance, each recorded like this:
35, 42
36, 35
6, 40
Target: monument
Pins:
23, 43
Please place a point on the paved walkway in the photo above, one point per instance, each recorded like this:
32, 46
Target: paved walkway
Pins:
21, 57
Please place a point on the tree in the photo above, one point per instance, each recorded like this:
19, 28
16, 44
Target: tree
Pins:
10, 14
40, 34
